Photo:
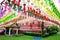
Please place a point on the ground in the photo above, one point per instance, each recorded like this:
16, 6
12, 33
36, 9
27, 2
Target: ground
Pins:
19, 37
53, 37
25, 37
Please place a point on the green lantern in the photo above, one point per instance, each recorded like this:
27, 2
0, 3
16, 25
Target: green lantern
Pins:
20, 8
9, 2
9, 17
14, 7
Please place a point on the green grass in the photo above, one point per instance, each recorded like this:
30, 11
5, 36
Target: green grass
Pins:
25, 37
53, 37
19, 37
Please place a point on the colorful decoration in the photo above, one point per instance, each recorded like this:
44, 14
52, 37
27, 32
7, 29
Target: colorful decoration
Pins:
51, 13
53, 8
48, 11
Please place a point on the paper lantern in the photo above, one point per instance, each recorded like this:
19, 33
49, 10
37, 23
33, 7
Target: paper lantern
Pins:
19, 0
58, 1
24, 7
33, 11
36, 13
20, 8
14, 7
9, 2
28, 0
9, 17
18, 4
30, 9
53, 7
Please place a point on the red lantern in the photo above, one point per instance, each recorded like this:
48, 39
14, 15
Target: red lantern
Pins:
24, 7
33, 11
44, 17
47, 19
18, 3
37, 14
30, 9
6, 2
14, 1
19, 0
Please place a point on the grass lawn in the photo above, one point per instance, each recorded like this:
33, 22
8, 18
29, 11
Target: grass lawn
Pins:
25, 37
19, 37
53, 37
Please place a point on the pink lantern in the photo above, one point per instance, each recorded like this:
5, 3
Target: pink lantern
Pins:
59, 1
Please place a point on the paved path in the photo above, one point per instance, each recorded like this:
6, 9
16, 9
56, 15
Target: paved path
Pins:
36, 37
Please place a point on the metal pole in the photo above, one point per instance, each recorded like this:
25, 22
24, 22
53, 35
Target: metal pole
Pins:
17, 31
9, 31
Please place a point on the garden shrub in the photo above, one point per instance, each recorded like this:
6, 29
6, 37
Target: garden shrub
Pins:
53, 29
